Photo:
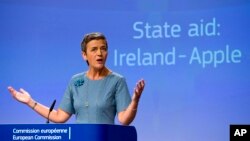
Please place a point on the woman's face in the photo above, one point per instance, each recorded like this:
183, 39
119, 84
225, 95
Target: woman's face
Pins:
96, 53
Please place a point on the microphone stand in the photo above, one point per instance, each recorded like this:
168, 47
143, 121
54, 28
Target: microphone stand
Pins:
50, 109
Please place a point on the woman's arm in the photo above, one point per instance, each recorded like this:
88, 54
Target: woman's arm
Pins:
127, 116
57, 116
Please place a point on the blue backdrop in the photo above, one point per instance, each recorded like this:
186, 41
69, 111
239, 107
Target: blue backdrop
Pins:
194, 56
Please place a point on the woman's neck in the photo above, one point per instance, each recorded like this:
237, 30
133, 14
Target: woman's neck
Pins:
97, 74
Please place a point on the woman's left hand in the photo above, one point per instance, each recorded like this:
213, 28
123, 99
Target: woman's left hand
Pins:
138, 90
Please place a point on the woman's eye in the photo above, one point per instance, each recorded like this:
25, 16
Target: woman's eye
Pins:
93, 49
104, 49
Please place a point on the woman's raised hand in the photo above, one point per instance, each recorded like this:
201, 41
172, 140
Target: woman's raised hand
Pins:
21, 95
138, 90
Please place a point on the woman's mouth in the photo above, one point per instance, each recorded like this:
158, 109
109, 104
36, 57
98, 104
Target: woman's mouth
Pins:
100, 61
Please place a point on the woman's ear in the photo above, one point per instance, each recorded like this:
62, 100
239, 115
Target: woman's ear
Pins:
84, 55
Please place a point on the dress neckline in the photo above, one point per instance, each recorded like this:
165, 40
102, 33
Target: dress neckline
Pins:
85, 75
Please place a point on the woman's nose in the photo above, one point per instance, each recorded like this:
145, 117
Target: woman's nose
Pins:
99, 52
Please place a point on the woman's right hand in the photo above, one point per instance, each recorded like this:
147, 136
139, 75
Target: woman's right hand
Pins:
21, 96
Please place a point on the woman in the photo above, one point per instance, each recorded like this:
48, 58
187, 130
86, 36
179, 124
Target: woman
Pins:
94, 96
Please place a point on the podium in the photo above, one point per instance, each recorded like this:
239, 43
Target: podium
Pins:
67, 132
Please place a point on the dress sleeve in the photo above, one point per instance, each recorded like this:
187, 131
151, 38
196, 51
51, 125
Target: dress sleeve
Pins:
122, 96
67, 103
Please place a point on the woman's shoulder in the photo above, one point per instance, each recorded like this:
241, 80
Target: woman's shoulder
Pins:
79, 75
116, 77
78, 79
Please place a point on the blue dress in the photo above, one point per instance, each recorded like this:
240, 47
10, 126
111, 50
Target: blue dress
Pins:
96, 101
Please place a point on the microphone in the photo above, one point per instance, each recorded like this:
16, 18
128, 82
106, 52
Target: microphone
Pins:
50, 109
